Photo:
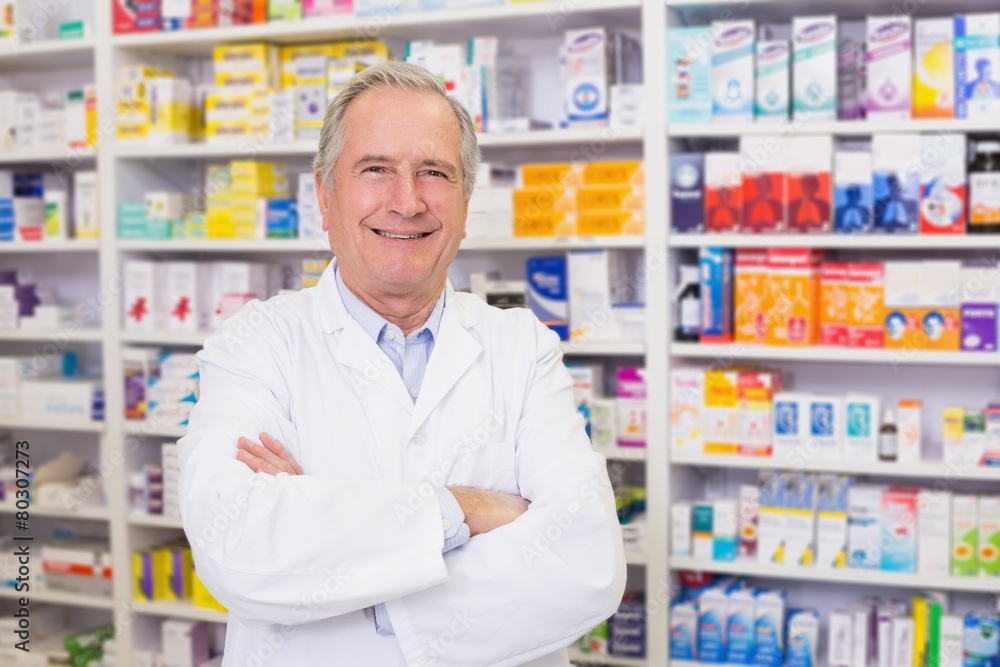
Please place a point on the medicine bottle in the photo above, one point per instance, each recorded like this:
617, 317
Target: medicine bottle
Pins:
887, 448
687, 306
984, 189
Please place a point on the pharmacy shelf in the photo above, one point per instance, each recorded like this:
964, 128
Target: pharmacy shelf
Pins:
174, 338
154, 430
321, 246
922, 470
69, 426
30, 335
729, 352
59, 597
836, 127
553, 243
37, 247
184, 610
750, 568
86, 513
252, 150
301, 246
622, 453
603, 348
523, 19
578, 657
52, 54
838, 241
60, 156
155, 521
635, 558
784, 9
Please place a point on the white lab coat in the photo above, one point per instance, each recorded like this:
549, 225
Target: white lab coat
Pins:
300, 560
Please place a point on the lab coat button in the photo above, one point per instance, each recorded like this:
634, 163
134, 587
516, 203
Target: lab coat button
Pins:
414, 391
419, 438
445, 524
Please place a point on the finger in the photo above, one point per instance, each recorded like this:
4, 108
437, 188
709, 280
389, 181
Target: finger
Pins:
268, 457
258, 464
279, 450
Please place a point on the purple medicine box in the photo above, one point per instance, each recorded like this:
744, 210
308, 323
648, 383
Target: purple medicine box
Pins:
687, 192
979, 327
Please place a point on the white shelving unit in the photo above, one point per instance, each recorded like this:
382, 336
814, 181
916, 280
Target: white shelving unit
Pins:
941, 378
669, 475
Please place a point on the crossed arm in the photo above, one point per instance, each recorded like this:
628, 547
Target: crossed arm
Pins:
484, 510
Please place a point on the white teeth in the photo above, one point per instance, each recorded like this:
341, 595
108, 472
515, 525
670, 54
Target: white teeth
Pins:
399, 236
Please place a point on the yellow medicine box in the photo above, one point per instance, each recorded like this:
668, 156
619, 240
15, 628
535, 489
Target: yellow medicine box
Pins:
246, 65
610, 198
610, 223
545, 223
623, 172
201, 597
558, 174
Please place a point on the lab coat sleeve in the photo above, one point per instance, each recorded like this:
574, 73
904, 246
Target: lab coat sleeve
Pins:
288, 549
533, 586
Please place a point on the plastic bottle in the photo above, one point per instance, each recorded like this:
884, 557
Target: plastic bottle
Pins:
984, 189
887, 448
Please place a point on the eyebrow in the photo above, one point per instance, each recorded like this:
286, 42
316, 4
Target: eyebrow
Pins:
376, 158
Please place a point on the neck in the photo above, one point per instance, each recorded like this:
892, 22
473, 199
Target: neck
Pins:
407, 311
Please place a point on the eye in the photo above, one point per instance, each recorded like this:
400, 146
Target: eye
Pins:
376, 170
436, 174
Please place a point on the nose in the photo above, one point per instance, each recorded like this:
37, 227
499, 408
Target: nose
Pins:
405, 198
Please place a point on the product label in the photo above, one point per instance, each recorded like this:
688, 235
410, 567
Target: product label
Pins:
984, 198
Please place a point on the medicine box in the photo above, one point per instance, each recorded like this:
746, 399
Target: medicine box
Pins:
750, 295
733, 71
889, 56
852, 192
943, 197
723, 192
764, 185
977, 65
689, 87
687, 407
772, 81
933, 68
965, 536
814, 79
810, 190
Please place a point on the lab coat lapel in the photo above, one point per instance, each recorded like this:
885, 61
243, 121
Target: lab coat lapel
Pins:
455, 350
353, 347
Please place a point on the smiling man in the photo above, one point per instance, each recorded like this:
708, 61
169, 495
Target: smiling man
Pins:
384, 471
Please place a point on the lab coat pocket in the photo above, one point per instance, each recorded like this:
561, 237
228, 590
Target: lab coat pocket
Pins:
486, 466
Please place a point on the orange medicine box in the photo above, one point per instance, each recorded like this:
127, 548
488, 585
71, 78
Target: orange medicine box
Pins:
792, 305
751, 294
529, 201
559, 174
610, 223
923, 328
833, 303
721, 414
544, 223
614, 172
610, 198
865, 299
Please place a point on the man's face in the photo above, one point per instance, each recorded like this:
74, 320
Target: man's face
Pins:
399, 175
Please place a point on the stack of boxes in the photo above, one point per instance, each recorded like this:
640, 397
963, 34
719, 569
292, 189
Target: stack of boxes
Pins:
160, 387
885, 67
789, 297
77, 566
585, 199
193, 296
491, 207
239, 106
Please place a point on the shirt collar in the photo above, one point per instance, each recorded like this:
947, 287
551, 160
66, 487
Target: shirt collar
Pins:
372, 323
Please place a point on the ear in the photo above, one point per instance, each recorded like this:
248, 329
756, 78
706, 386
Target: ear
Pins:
323, 194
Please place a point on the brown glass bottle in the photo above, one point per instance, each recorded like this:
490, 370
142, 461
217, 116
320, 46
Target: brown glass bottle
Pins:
887, 447
984, 190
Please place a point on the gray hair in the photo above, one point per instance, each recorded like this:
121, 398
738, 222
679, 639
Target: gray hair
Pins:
392, 75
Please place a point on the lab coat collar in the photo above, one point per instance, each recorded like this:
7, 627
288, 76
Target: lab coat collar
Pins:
454, 350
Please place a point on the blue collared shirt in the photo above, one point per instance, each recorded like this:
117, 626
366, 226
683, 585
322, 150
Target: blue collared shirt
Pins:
409, 354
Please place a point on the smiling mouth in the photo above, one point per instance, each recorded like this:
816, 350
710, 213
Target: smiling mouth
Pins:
390, 235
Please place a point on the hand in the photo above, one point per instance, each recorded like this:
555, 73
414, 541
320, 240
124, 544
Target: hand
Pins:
270, 457
486, 510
